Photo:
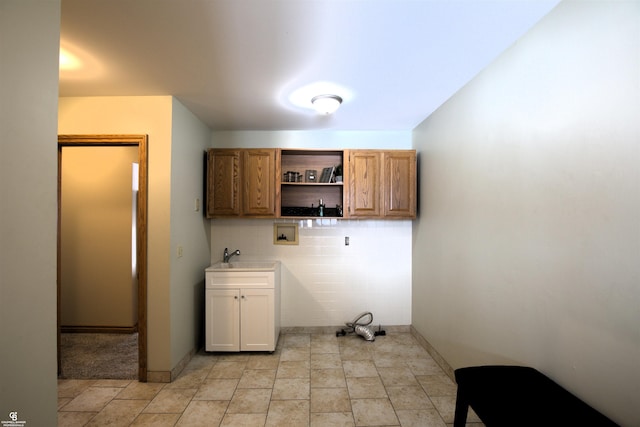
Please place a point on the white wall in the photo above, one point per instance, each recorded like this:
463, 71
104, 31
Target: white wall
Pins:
189, 229
312, 139
28, 209
324, 282
527, 249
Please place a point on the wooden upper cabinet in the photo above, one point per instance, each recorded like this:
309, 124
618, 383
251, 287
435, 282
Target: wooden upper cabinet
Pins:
259, 172
223, 182
382, 184
399, 186
240, 182
365, 180
247, 183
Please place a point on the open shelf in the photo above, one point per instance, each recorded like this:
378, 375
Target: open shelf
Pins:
301, 199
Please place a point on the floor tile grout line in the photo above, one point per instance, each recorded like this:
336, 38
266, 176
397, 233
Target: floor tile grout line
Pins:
347, 351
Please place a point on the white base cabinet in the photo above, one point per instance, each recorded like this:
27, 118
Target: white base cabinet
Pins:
222, 320
242, 310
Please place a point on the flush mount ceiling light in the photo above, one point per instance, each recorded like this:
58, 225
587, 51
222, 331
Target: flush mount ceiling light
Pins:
326, 104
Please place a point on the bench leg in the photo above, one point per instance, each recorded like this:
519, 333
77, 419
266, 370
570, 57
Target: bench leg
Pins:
462, 408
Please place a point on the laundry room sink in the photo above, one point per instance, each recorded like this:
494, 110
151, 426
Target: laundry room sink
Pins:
242, 306
244, 266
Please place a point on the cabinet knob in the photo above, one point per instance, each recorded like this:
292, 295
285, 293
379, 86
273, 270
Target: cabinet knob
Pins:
242, 296
236, 297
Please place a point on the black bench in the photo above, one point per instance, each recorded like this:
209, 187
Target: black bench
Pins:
519, 396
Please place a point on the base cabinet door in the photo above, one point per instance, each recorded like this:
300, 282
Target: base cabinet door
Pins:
222, 316
257, 320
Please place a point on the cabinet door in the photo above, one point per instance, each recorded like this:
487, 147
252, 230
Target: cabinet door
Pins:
399, 184
222, 317
257, 322
259, 172
223, 182
364, 183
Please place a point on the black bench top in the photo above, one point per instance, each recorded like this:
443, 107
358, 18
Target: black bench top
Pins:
520, 396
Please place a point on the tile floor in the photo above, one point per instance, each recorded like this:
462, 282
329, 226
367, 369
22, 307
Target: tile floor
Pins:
310, 380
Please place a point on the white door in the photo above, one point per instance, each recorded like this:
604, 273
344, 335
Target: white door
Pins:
222, 316
257, 320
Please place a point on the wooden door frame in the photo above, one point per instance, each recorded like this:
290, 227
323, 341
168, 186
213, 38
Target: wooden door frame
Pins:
140, 141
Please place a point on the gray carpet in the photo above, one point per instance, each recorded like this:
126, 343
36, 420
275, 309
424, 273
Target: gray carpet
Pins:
99, 356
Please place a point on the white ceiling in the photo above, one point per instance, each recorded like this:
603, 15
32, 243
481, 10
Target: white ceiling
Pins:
244, 64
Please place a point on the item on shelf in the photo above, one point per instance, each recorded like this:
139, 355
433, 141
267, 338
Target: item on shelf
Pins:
328, 174
305, 211
338, 173
291, 176
311, 175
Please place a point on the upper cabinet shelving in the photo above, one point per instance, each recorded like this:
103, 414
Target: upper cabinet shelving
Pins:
290, 183
306, 179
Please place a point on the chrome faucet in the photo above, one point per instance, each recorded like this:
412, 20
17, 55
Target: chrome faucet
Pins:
227, 255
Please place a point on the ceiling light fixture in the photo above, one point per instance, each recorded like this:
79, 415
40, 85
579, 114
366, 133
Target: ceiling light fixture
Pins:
326, 104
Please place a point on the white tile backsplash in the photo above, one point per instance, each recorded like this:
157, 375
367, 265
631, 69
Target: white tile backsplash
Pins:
324, 282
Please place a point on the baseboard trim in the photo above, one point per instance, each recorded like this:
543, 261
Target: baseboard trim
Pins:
177, 370
158, 376
448, 370
172, 375
99, 329
332, 329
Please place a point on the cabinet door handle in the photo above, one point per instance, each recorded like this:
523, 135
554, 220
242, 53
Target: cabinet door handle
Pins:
242, 296
235, 297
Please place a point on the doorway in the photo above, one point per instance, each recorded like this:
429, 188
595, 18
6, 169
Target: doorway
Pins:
134, 310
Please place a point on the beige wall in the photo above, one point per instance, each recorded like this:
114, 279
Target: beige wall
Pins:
151, 116
177, 142
28, 209
96, 276
527, 246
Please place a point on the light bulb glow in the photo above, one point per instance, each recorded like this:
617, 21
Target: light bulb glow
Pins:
69, 61
326, 104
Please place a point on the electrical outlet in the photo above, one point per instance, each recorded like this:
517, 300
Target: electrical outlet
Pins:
346, 240
196, 206
179, 251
